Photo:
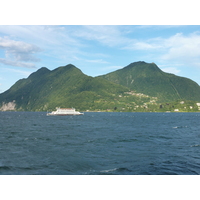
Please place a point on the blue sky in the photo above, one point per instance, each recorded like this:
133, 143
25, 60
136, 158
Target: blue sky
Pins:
97, 49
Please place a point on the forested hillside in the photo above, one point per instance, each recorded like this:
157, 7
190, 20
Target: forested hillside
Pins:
139, 86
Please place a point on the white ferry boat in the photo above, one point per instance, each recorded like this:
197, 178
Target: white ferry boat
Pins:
64, 111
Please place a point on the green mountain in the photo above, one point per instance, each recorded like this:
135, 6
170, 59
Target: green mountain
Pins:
138, 87
63, 87
148, 79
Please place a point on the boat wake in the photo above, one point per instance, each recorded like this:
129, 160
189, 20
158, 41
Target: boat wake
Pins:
121, 170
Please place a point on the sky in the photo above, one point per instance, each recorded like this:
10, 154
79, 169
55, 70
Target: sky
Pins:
97, 49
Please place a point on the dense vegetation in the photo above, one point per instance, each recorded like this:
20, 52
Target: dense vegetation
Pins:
147, 78
64, 87
138, 87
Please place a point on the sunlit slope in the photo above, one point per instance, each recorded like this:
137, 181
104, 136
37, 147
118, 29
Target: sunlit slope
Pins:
147, 78
65, 87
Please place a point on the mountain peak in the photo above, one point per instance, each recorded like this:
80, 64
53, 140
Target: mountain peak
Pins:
148, 78
138, 62
39, 72
66, 68
70, 65
142, 68
141, 64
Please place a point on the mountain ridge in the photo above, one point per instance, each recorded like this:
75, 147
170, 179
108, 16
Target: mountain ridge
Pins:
137, 86
63, 86
149, 79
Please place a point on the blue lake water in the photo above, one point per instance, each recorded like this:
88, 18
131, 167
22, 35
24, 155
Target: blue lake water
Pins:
100, 143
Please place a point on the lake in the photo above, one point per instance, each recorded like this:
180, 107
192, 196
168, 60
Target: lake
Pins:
101, 143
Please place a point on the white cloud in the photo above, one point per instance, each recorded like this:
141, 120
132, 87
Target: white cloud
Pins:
17, 63
178, 49
20, 50
139, 45
42, 35
17, 53
107, 35
172, 70
183, 48
55, 43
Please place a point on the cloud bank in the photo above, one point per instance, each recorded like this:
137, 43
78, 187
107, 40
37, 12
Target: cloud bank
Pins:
18, 53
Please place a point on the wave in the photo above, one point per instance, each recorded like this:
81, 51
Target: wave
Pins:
5, 168
196, 145
115, 170
109, 170
179, 127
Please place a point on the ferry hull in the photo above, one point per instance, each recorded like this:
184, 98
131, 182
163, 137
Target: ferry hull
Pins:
49, 114
64, 112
